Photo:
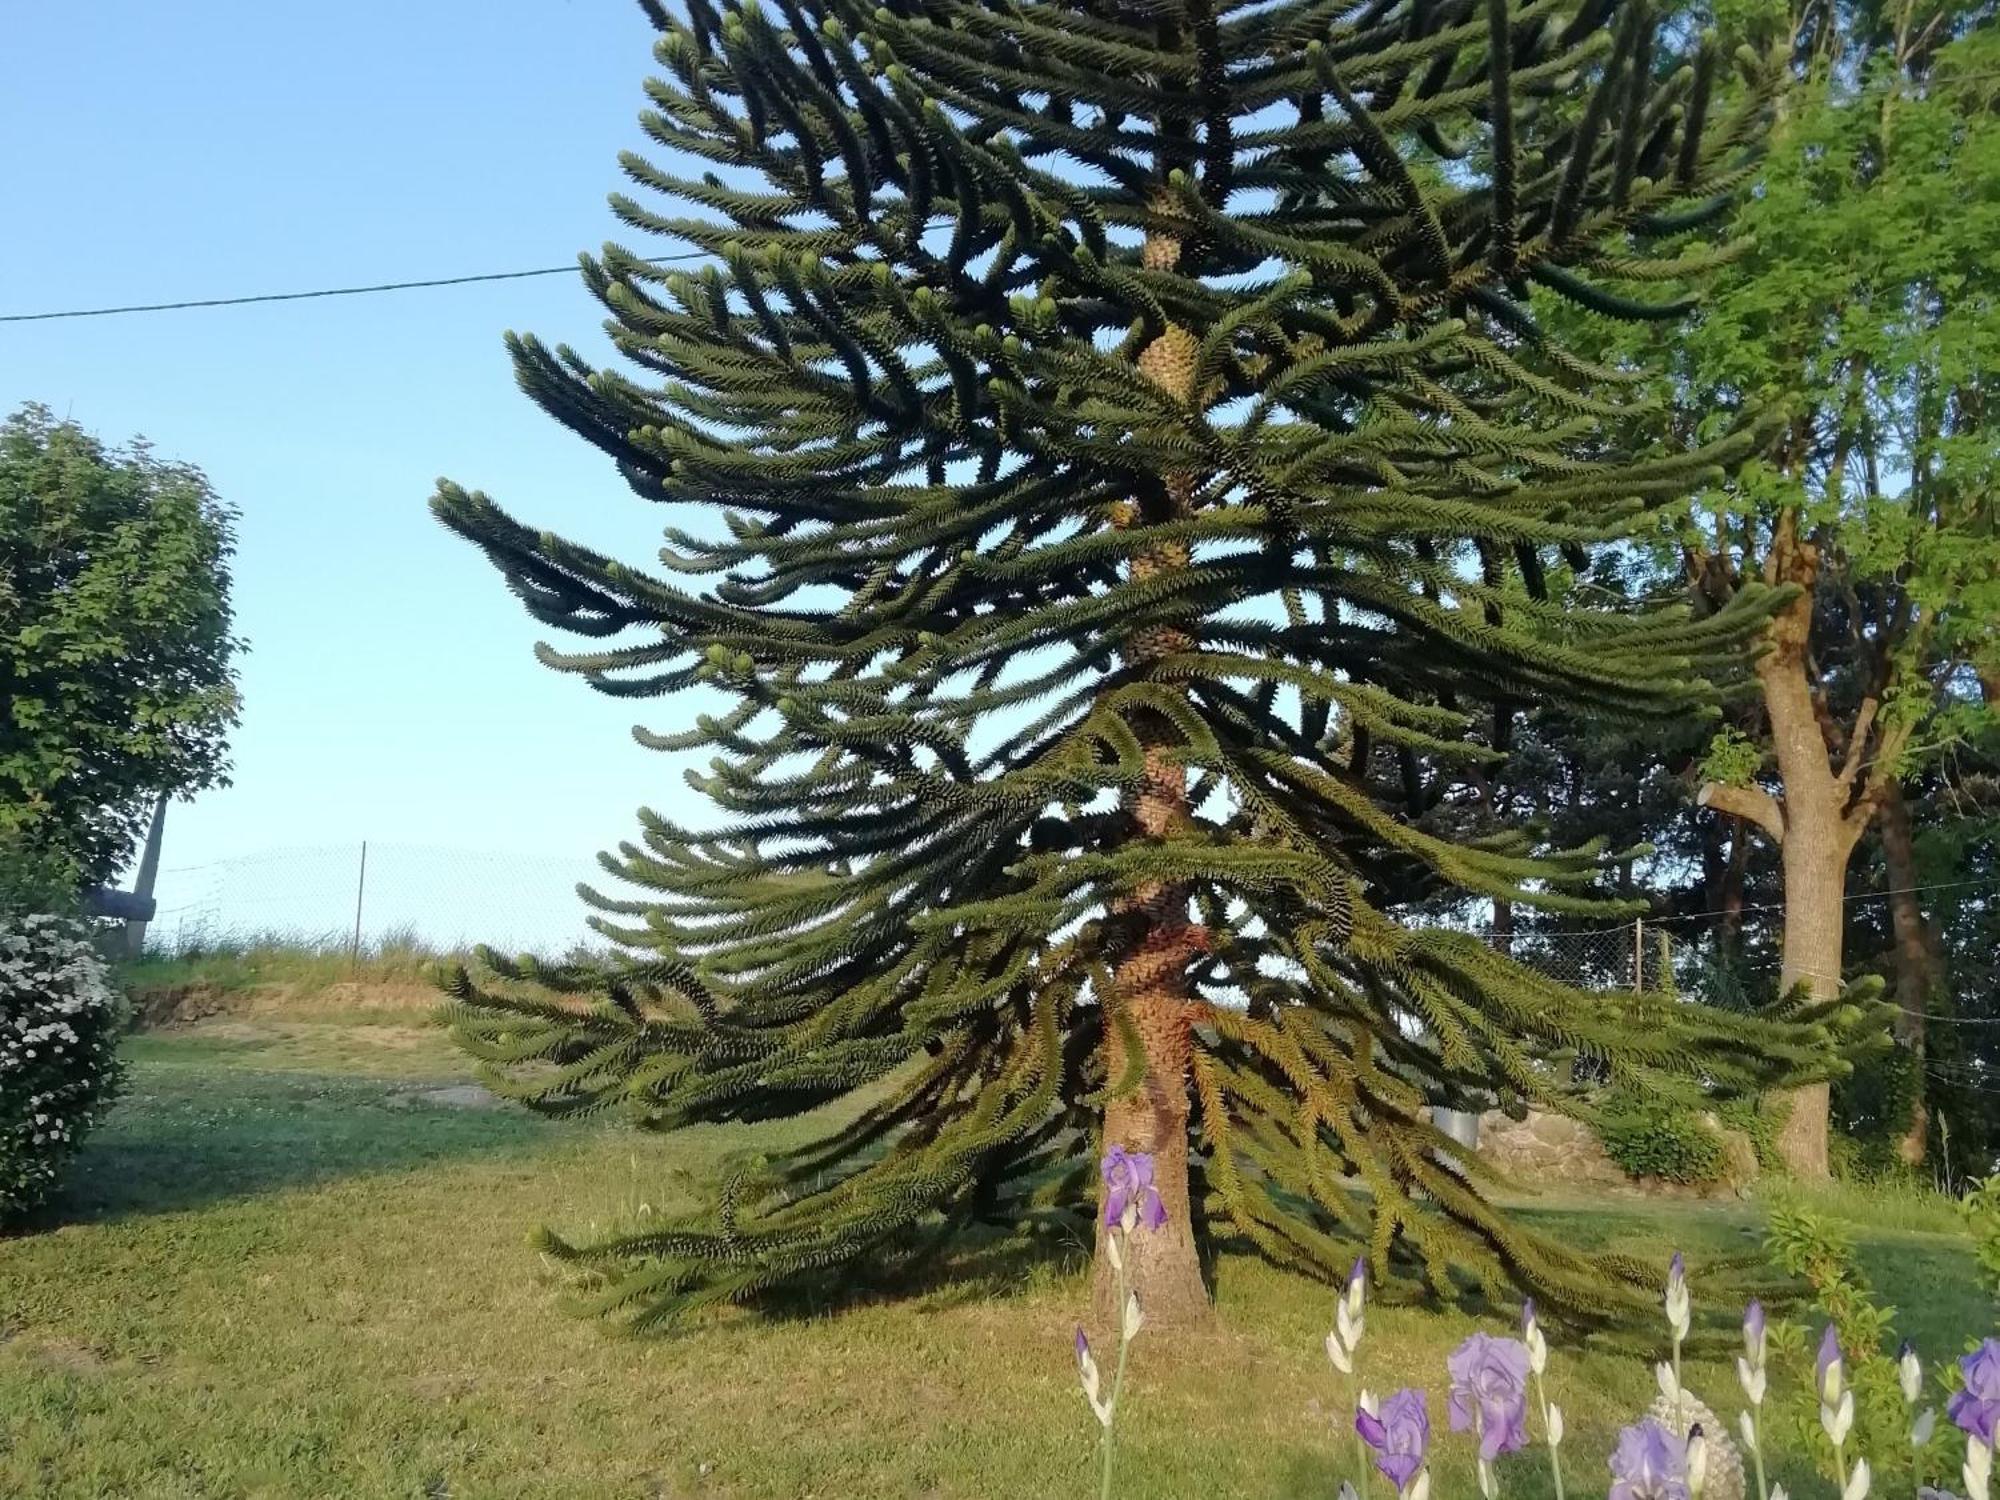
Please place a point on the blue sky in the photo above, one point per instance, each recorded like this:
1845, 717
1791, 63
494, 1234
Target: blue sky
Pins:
235, 146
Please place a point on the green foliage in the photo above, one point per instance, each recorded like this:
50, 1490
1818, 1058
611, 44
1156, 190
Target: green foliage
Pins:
1649, 1136
1819, 1252
1981, 1207
1112, 456
1732, 758
115, 677
35, 879
1755, 1117
1872, 1107
59, 1025
1807, 1245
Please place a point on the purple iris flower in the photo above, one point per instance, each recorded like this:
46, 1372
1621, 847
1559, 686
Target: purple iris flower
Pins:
1128, 1182
1399, 1435
1650, 1464
1976, 1409
1489, 1381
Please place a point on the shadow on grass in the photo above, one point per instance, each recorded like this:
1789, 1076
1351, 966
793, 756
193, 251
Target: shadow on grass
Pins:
183, 1138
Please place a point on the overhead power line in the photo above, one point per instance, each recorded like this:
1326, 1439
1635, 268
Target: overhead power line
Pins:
331, 291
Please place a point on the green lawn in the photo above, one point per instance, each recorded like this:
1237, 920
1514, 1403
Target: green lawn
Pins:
280, 1273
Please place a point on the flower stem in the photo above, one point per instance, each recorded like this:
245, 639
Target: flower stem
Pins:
1360, 1447
1680, 1394
1555, 1459
1757, 1454
1118, 1376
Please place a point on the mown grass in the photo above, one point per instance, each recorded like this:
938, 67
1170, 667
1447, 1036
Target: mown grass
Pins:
281, 1271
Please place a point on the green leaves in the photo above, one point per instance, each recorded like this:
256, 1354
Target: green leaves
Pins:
115, 645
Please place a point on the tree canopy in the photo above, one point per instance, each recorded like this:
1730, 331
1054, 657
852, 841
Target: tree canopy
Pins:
1109, 450
116, 676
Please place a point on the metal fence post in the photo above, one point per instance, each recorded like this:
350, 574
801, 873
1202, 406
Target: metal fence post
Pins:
1638, 954
360, 887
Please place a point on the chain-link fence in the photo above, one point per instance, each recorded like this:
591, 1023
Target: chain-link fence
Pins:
367, 895
363, 895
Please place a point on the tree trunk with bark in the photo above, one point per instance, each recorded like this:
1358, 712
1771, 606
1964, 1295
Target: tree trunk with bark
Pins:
1917, 957
1816, 819
1150, 987
1815, 866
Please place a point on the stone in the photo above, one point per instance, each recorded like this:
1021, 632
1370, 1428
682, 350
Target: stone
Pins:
458, 1096
1552, 1149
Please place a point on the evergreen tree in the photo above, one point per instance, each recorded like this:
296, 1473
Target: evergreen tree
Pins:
1127, 432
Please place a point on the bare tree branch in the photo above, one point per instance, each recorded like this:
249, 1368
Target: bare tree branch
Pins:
1749, 802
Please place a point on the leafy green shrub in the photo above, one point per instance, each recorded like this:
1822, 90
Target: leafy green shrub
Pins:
1657, 1138
1873, 1107
59, 1024
1982, 1219
1758, 1118
37, 880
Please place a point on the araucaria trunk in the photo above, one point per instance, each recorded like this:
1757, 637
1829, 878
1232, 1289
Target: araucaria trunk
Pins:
1150, 987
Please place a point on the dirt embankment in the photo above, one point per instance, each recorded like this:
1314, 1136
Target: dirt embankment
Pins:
164, 1006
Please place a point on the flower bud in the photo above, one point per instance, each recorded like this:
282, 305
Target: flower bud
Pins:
1531, 1335
1489, 1482
1910, 1372
1112, 1253
1978, 1468
1832, 1372
1921, 1429
1555, 1419
1349, 1324
1753, 1379
1679, 1308
1086, 1366
1337, 1352
1670, 1386
1420, 1487
1857, 1482
1697, 1462
1747, 1426
1838, 1419
1755, 1336
1133, 1317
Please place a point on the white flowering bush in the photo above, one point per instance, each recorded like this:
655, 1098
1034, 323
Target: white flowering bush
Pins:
59, 1022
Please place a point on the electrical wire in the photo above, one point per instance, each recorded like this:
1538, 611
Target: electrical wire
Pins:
333, 291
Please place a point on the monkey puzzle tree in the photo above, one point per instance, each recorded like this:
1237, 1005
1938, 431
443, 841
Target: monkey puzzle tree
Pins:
1128, 444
